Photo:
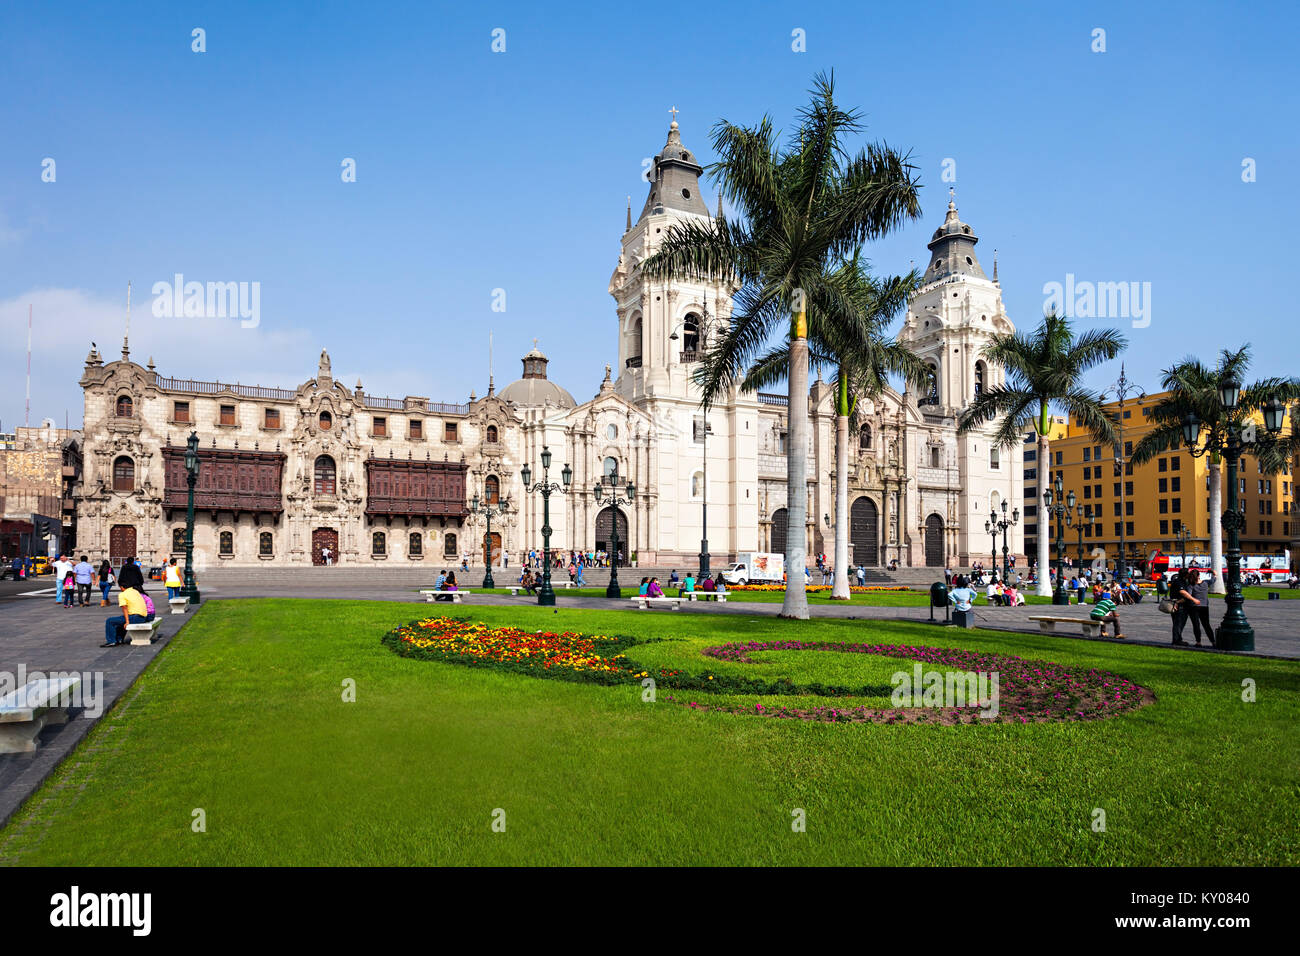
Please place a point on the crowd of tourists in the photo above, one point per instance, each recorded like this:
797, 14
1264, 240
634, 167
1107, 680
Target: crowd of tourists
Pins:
76, 582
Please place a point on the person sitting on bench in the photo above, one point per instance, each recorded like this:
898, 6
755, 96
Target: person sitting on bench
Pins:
1104, 610
708, 585
645, 587
654, 590
528, 583
134, 611
963, 595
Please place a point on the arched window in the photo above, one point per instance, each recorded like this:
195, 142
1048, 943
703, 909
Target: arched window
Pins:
125, 406
178, 539
378, 543
123, 474
492, 433
326, 421
415, 544
227, 542
932, 394
979, 379
995, 457
491, 490
449, 545
864, 438
691, 333
634, 342
611, 471
265, 543
325, 475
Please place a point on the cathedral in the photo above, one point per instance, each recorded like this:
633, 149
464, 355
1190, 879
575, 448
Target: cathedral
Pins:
289, 476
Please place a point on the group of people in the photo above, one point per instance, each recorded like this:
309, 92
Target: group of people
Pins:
1189, 593
650, 587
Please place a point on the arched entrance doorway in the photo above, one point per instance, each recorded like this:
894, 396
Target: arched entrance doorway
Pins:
324, 538
605, 532
494, 557
864, 532
934, 555
121, 543
780, 525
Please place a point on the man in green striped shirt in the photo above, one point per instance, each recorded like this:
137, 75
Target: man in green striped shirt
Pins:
1103, 611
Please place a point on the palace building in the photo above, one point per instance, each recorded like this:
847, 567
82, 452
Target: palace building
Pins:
288, 472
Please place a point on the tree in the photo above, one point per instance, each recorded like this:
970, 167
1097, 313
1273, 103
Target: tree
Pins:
1044, 368
802, 209
855, 347
1194, 387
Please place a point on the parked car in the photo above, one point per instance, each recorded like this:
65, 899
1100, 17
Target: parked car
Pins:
42, 565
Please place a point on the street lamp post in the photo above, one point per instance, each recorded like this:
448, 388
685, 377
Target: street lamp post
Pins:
1078, 510
701, 346
1061, 508
190, 590
502, 508
991, 528
546, 596
1123, 388
1003, 524
613, 501
1183, 535
1235, 633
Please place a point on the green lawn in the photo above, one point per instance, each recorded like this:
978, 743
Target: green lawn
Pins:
242, 716
871, 598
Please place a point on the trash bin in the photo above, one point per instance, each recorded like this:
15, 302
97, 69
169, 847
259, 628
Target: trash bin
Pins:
939, 598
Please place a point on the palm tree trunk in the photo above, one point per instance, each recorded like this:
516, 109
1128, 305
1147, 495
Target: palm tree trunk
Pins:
1216, 525
840, 588
796, 550
1044, 523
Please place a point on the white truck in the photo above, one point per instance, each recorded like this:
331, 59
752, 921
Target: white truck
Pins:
755, 567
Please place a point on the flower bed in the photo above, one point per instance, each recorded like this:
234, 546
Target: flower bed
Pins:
1029, 691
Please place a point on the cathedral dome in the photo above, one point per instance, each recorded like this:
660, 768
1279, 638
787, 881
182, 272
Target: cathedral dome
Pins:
535, 389
952, 249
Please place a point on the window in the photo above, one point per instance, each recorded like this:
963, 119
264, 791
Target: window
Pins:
697, 484
415, 545
1031, 454
1162, 464
227, 414
492, 433
1162, 486
449, 432
1087, 473
180, 411
272, 419
1127, 413
611, 432
449, 545
124, 474
1087, 491
1031, 511
691, 333
1128, 468
995, 457
178, 540
1178, 505
265, 543
1164, 527
979, 379
1128, 528
1261, 487
378, 543
227, 545
1175, 463
125, 406
1031, 474
1177, 526
1128, 449
864, 437
379, 426
1164, 507
415, 429
1087, 454
1096, 452
1117, 509
1128, 488
1118, 528
934, 458
611, 471
326, 421
492, 490
1116, 491
325, 475
1128, 508
1060, 458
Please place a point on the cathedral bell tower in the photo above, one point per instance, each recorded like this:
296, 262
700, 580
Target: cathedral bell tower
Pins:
659, 321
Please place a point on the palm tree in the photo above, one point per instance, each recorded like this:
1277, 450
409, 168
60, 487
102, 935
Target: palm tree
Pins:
1194, 387
1044, 368
854, 346
802, 210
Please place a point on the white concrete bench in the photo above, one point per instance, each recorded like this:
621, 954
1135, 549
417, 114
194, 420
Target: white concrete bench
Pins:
719, 596
1047, 624
645, 603
179, 605
142, 635
27, 710
455, 597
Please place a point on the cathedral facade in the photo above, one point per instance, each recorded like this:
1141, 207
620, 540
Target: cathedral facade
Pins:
291, 476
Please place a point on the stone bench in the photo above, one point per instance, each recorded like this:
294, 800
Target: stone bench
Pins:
433, 594
27, 710
645, 603
142, 635
179, 605
719, 596
1047, 624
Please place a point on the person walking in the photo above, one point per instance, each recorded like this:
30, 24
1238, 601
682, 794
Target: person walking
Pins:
61, 569
105, 580
1200, 611
172, 579
1183, 603
84, 576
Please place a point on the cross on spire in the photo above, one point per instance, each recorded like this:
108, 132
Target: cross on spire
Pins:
674, 111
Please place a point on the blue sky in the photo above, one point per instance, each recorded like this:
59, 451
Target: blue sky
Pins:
479, 170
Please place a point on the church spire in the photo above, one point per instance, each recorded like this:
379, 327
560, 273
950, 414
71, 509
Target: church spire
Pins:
674, 179
629, 215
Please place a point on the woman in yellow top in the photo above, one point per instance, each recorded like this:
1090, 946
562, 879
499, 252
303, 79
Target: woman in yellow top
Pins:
133, 611
172, 579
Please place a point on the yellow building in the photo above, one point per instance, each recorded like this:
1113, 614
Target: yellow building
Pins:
1148, 506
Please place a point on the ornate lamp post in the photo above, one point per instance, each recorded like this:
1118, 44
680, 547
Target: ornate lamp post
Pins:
190, 590
502, 508
1078, 510
613, 501
1061, 509
1230, 438
991, 528
1123, 388
1003, 524
546, 596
